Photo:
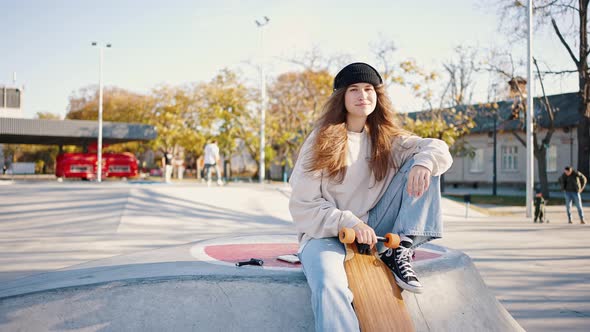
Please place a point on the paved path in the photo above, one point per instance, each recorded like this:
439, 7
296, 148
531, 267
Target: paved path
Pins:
539, 272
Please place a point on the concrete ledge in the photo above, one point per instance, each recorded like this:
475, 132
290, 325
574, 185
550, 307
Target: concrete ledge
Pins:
199, 296
456, 298
212, 303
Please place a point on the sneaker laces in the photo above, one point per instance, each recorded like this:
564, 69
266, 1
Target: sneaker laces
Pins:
403, 258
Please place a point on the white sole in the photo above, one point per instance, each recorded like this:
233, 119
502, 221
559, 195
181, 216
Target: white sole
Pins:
409, 288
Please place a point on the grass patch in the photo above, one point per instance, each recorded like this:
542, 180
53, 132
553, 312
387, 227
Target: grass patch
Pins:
489, 199
503, 200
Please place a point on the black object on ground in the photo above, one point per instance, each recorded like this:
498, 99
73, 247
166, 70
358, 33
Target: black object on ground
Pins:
252, 261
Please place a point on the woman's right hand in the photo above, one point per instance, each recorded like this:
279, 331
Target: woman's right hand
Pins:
365, 234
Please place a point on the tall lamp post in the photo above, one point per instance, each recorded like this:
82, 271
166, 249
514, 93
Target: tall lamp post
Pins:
99, 145
495, 155
495, 109
530, 158
261, 24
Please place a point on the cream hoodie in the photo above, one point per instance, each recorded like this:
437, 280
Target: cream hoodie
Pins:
321, 207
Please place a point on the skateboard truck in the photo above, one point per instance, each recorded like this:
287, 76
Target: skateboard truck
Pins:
252, 261
347, 235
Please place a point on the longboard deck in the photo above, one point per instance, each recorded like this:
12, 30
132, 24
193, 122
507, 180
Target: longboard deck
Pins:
377, 301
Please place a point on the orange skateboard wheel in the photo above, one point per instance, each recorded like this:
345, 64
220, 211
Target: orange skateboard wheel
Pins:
392, 240
347, 235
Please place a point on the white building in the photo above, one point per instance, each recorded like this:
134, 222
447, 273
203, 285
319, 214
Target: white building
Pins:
11, 105
562, 149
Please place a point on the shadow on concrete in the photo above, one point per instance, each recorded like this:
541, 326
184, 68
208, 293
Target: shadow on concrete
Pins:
53, 227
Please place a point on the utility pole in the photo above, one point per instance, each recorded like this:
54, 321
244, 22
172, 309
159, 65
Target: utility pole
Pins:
530, 177
261, 24
99, 145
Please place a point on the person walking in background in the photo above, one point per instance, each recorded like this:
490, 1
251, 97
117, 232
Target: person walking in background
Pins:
211, 156
167, 162
572, 183
179, 163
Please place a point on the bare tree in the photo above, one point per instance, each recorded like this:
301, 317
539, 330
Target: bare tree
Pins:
460, 83
504, 67
315, 60
572, 29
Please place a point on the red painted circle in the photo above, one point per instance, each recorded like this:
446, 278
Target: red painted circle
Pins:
268, 252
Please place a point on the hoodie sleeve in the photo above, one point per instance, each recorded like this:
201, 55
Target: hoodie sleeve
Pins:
583, 180
428, 152
311, 212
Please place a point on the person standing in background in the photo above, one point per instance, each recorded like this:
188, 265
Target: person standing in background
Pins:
167, 162
572, 183
179, 163
211, 156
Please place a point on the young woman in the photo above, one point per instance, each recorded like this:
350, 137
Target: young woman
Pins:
359, 169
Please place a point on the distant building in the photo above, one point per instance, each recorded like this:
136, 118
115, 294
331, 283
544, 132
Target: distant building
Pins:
11, 105
510, 152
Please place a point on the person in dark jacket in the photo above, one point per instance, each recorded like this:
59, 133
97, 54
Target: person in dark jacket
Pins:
572, 183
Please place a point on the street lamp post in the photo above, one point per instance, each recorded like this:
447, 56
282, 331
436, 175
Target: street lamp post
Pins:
261, 24
495, 109
530, 178
99, 145
495, 160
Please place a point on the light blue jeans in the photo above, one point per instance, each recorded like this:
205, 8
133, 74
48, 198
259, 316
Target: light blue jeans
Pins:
571, 196
323, 259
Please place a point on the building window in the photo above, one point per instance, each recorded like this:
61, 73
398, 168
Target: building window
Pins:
477, 162
509, 158
12, 98
551, 157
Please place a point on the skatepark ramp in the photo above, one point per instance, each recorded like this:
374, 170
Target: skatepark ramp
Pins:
205, 291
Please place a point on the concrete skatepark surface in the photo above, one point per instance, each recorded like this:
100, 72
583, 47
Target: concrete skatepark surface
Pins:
96, 245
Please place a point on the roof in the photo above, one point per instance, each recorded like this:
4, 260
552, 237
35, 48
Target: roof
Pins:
565, 105
71, 132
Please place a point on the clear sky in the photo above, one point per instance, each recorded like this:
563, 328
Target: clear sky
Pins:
47, 42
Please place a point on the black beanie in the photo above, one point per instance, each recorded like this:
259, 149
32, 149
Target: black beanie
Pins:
355, 73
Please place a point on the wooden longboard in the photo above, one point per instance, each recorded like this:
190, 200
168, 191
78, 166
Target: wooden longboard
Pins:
377, 301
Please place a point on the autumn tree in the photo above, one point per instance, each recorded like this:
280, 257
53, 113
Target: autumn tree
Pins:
445, 115
119, 105
296, 101
223, 112
171, 111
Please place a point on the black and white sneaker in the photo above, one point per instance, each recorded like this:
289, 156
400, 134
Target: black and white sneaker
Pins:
399, 261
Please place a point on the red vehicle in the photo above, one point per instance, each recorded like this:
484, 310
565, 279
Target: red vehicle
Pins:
83, 165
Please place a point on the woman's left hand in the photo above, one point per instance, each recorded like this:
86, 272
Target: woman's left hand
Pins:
418, 180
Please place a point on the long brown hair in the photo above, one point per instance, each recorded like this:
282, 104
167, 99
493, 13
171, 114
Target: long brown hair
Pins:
329, 150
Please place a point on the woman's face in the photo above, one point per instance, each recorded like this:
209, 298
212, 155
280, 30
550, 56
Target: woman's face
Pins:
360, 99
